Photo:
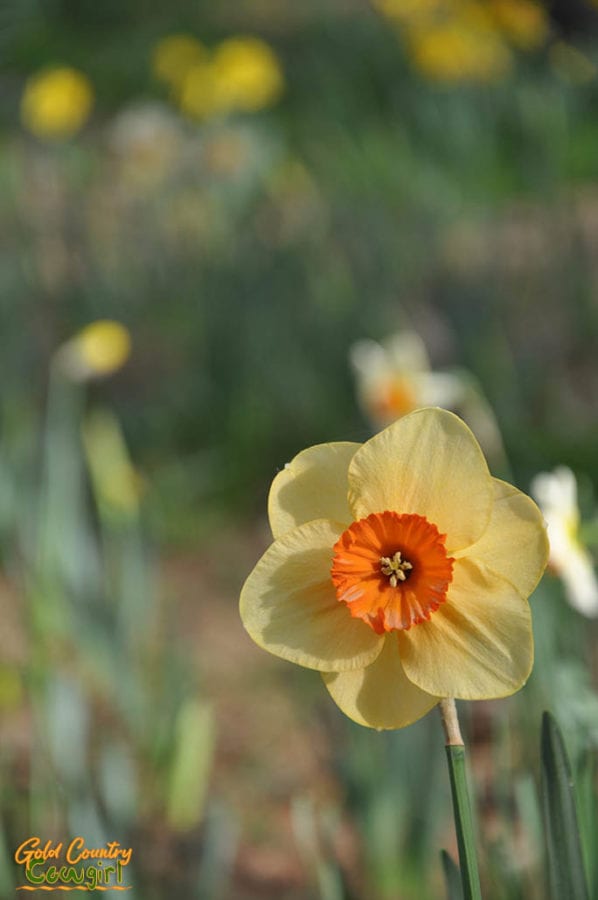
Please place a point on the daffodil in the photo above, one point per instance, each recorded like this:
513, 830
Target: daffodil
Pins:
524, 22
459, 49
56, 103
99, 349
147, 141
395, 377
243, 74
400, 569
173, 57
556, 493
247, 74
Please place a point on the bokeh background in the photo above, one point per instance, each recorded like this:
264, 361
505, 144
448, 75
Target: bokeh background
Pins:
249, 188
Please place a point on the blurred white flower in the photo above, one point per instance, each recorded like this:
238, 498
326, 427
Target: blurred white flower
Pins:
147, 140
395, 377
556, 493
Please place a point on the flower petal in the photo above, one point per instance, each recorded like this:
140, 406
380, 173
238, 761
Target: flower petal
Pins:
579, 580
514, 545
428, 463
312, 486
379, 696
289, 605
477, 645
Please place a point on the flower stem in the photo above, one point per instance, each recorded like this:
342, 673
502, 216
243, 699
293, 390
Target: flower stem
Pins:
455, 754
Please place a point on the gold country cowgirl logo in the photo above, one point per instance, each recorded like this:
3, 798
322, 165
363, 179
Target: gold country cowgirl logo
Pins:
72, 866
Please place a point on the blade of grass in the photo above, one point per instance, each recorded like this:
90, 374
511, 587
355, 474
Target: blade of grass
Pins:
565, 861
452, 876
587, 808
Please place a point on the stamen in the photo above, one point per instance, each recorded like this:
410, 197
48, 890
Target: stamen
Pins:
395, 567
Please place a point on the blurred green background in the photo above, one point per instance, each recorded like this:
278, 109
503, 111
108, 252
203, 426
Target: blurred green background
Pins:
250, 188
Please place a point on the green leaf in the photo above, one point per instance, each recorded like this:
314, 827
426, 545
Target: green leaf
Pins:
452, 876
565, 861
587, 810
192, 764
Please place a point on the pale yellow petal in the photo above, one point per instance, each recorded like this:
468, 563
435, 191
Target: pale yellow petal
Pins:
428, 463
289, 605
477, 645
380, 696
313, 486
515, 544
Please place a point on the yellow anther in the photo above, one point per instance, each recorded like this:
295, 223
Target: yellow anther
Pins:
396, 568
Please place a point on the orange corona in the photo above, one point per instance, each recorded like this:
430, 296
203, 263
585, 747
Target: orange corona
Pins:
392, 570
394, 399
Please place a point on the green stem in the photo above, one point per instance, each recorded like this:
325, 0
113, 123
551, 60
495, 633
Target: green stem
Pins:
455, 754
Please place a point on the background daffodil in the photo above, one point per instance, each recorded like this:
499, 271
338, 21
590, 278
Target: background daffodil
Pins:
56, 103
98, 350
400, 570
556, 493
395, 377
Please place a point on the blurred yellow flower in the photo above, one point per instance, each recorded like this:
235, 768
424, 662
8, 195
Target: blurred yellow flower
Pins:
556, 493
174, 56
56, 103
242, 75
466, 40
400, 569
459, 49
197, 94
410, 11
99, 349
524, 22
247, 74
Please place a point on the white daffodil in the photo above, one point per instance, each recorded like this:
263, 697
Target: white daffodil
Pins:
556, 493
395, 377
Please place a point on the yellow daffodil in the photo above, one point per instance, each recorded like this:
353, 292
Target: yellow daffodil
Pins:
247, 74
556, 493
524, 22
56, 103
400, 570
174, 56
459, 49
242, 75
197, 95
99, 349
